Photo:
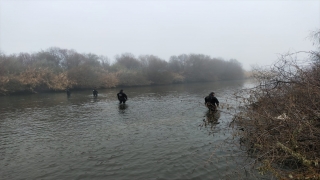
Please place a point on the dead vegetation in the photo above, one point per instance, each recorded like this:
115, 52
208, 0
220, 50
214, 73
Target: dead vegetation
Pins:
280, 118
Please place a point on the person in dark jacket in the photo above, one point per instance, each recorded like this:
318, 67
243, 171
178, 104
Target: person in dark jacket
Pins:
122, 97
211, 102
95, 92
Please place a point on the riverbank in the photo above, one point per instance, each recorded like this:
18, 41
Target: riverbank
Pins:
279, 120
39, 91
57, 69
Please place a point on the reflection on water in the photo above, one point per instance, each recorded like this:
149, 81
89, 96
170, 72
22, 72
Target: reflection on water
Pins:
213, 117
211, 120
123, 106
155, 135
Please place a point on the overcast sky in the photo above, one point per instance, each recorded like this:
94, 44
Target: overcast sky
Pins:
253, 32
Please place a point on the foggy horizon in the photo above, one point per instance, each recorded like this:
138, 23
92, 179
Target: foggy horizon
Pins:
253, 33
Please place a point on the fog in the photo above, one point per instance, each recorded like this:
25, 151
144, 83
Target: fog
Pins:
253, 33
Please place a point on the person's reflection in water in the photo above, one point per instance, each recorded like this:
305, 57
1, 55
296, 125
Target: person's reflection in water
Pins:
122, 108
95, 99
211, 119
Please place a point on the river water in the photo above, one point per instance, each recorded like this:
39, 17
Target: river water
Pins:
159, 134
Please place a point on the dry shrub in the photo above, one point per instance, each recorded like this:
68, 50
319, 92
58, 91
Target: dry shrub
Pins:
85, 76
177, 78
3, 80
10, 84
132, 78
34, 79
281, 119
60, 82
109, 80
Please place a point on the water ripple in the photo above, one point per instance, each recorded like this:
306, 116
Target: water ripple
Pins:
156, 135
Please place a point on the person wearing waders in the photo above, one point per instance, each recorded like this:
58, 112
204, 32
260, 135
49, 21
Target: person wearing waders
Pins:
211, 102
122, 97
95, 92
68, 92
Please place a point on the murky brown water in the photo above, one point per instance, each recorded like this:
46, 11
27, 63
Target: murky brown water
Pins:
155, 136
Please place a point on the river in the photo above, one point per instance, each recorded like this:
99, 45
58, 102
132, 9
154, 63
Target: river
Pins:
158, 134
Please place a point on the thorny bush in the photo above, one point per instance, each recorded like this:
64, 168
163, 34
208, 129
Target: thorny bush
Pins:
280, 120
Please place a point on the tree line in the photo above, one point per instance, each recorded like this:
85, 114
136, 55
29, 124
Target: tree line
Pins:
56, 69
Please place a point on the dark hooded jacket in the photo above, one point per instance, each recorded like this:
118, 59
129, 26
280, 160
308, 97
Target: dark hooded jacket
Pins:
122, 96
211, 99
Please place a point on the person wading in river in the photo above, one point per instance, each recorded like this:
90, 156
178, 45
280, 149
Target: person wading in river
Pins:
211, 102
122, 97
95, 92
68, 92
